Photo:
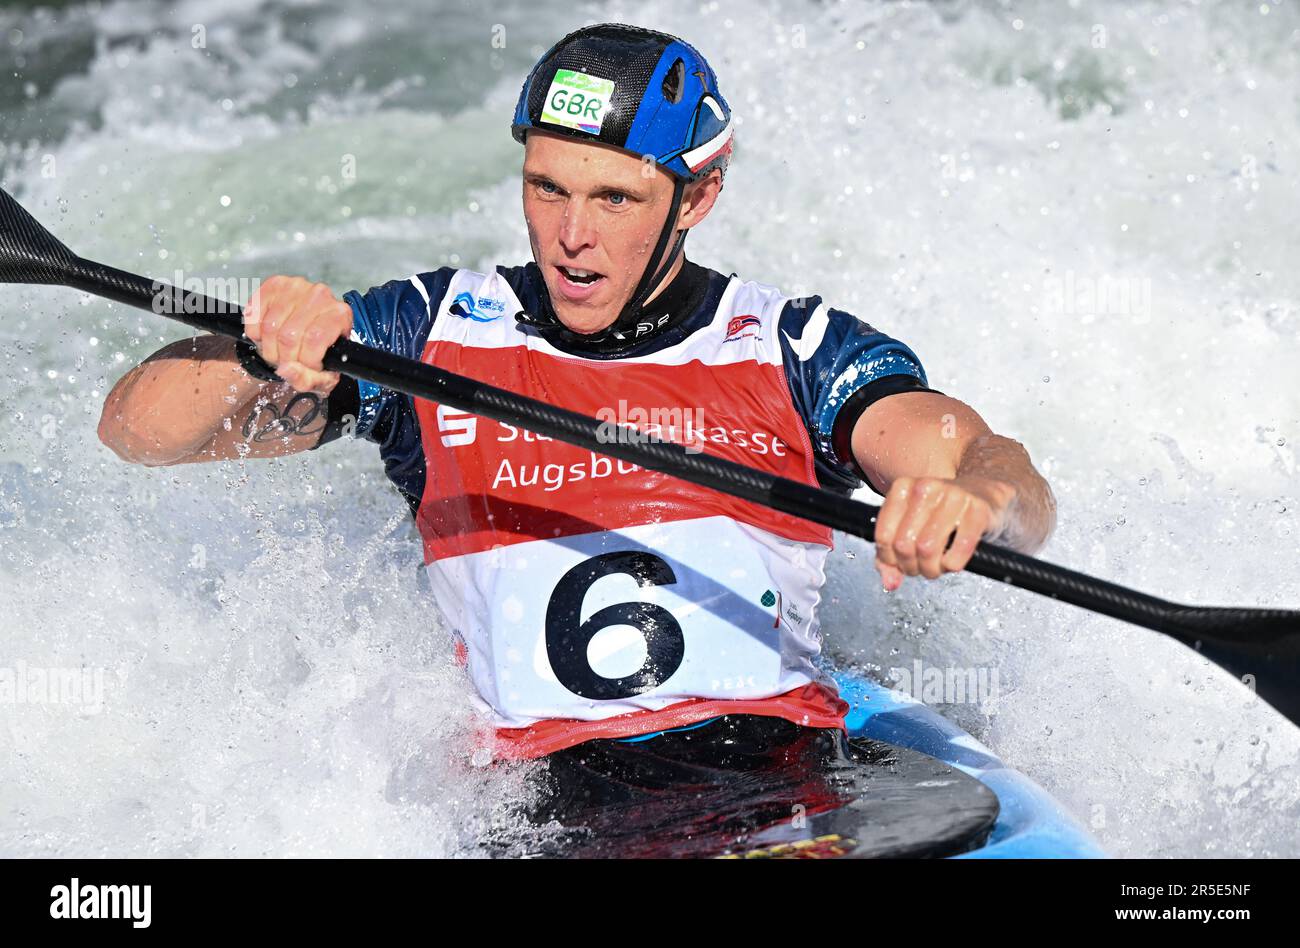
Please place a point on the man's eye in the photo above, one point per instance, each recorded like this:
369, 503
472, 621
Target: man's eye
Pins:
617, 199
548, 187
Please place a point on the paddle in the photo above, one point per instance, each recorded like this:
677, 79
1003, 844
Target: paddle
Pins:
1259, 646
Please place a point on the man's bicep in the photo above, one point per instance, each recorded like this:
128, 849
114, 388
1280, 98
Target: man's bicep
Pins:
914, 434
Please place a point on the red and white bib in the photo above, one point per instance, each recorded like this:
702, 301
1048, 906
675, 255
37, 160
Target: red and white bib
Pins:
590, 597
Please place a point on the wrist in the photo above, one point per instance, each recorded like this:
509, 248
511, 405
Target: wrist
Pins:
253, 363
1000, 495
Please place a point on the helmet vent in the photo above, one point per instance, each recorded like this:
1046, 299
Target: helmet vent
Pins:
674, 80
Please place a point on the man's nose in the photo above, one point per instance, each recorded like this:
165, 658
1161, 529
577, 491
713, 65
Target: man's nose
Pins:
576, 229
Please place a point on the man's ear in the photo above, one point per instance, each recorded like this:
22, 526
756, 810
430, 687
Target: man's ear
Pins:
699, 198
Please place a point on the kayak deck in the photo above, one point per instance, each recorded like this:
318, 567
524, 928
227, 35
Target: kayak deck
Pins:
753, 786
1030, 825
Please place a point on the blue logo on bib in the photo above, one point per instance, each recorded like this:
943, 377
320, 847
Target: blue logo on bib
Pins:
481, 311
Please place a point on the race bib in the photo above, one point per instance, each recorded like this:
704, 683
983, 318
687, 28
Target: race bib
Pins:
607, 623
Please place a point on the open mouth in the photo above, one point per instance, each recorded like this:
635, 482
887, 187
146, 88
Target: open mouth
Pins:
578, 278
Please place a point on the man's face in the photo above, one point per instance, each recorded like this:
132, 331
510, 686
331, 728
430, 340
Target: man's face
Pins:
593, 208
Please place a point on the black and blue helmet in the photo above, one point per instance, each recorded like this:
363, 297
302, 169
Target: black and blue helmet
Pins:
647, 93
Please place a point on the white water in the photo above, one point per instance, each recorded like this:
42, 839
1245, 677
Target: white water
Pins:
272, 682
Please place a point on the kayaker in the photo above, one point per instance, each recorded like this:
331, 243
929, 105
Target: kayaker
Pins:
592, 600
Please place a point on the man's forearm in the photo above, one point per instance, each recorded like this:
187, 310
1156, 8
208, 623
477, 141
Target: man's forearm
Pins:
1030, 514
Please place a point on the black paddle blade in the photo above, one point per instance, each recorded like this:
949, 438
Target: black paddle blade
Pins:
1272, 675
28, 252
1259, 646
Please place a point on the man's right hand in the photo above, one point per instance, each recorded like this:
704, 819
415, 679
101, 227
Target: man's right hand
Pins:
292, 322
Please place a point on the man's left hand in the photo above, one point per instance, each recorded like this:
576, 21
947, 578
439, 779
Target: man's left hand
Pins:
921, 514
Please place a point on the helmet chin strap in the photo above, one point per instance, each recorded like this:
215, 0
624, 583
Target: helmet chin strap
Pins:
623, 328
651, 278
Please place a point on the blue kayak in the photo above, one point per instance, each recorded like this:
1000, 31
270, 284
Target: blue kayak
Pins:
1030, 824
904, 783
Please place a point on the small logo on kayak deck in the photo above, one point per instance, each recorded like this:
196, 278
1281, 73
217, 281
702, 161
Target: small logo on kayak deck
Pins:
738, 324
830, 846
769, 598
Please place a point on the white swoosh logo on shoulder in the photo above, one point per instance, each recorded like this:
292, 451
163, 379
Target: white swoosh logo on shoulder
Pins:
813, 331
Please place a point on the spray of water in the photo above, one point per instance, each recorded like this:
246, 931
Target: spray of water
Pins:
1080, 221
